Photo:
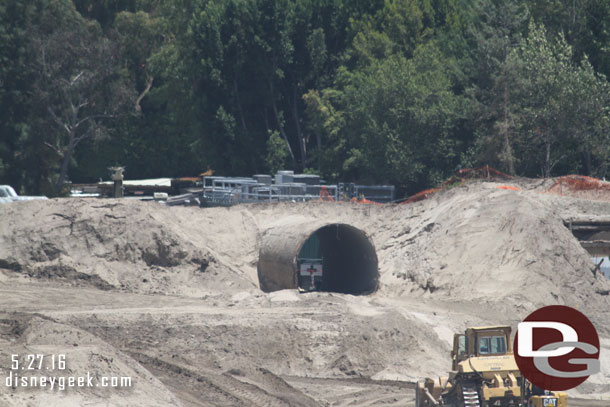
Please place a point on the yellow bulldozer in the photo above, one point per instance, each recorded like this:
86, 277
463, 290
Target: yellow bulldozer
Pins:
484, 374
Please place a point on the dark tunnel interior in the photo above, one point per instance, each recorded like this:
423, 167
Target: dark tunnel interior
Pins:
349, 260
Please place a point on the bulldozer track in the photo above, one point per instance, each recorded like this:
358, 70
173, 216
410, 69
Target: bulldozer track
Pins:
221, 389
470, 395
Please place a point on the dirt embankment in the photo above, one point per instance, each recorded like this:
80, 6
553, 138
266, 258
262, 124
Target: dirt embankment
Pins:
175, 290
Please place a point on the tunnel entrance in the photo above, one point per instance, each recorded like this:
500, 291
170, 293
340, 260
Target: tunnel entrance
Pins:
594, 237
313, 257
337, 258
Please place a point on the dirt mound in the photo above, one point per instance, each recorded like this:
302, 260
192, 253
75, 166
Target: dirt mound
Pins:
85, 356
463, 243
501, 245
466, 256
136, 247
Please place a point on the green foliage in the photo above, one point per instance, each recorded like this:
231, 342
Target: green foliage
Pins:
16, 77
103, 11
585, 24
277, 153
383, 91
391, 122
497, 33
563, 106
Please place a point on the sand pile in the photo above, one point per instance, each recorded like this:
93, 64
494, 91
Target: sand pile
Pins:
473, 255
118, 245
475, 242
86, 356
501, 245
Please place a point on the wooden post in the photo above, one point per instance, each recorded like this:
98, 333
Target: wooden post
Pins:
117, 177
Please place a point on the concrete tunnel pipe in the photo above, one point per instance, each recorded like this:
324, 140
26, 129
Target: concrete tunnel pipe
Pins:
349, 260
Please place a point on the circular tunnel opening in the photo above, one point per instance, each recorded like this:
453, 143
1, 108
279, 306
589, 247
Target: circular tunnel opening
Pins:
332, 257
337, 258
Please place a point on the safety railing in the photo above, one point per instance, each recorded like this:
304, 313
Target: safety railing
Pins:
227, 191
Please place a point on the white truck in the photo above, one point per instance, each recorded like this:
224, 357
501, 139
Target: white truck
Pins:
8, 194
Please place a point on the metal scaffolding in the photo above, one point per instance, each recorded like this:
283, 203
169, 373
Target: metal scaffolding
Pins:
227, 191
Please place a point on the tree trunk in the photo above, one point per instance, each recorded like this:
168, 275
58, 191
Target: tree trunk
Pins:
279, 123
241, 111
319, 142
65, 160
508, 151
547, 161
266, 119
300, 137
587, 162
149, 83
63, 173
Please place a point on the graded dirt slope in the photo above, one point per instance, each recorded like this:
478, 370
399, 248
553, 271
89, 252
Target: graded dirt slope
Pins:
169, 295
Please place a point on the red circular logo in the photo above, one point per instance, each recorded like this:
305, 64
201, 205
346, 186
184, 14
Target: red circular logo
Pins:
556, 348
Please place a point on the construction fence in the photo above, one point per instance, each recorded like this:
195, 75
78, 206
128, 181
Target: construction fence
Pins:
227, 191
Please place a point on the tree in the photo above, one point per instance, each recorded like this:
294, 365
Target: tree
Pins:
16, 78
256, 58
79, 88
585, 25
390, 122
497, 32
277, 154
563, 105
364, 91
590, 96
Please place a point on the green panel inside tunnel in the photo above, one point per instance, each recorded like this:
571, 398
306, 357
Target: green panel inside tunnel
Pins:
341, 259
311, 248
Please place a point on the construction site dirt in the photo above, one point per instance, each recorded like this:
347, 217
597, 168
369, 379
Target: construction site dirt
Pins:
170, 296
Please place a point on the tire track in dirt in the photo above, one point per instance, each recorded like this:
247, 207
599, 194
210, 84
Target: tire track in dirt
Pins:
212, 389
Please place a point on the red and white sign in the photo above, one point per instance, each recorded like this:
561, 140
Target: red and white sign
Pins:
308, 269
